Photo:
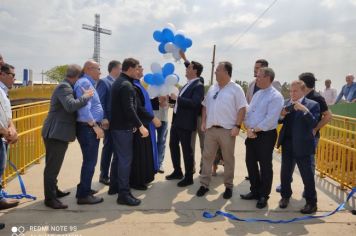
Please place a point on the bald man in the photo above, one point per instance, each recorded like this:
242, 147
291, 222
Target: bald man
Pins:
89, 132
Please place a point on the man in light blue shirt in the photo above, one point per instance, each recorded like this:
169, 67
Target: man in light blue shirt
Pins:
348, 90
88, 132
261, 122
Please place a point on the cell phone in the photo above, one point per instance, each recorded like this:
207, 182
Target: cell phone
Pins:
289, 108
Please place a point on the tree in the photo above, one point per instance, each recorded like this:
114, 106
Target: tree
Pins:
285, 90
243, 84
57, 73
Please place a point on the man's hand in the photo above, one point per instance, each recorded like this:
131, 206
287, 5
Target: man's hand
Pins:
163, 101
173, 96
300, 107
203, 126
235, 131
99, 132
143, 131
12, 137
88, 92
156, 122
284, 112
251, 133
4, 131
105, 124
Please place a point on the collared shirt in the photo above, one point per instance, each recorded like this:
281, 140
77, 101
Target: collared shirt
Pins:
330, 95
252, 89
182, 91
93, 111
264, 109
5, 106
162, 113
349, 91
223, 104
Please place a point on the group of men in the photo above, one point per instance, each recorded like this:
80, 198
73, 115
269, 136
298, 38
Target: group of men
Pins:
348, 91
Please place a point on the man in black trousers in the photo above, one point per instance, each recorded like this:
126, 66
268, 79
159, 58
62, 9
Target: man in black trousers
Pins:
184, 123
58, 130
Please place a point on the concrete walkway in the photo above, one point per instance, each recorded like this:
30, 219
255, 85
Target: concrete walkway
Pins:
169, 210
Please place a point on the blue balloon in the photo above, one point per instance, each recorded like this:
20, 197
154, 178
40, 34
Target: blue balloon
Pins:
158, 79
167, 69
188, 42
179, 41
161, 48
168, 35
157, 35
148, 78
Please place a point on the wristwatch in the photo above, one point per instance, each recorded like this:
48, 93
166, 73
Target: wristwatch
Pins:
238, 126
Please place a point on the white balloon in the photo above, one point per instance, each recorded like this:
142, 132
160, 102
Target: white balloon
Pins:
156, 68
153, 91
169, 47
171, 80
181, 32
164, 90
176, 55
167, 55
174, 90
171, 27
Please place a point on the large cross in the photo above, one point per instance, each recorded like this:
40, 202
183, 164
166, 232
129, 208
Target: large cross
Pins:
97, 30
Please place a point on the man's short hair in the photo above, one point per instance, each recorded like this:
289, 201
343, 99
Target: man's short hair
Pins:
263, 62
268, 72
129, 63
308, 78
73, 71
197, 66
328, 80
6, 68
113, 64
227, 67
300, 83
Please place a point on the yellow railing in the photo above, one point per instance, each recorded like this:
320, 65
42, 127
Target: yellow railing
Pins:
32, 92
29, 149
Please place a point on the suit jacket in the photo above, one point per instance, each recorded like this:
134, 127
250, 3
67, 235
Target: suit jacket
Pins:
303, 141
61, 119
188, 106
103, 87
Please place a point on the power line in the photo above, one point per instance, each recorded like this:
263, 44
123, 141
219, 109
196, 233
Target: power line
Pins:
239, 37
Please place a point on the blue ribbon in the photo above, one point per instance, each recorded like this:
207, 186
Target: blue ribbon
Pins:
233, 217
22, 185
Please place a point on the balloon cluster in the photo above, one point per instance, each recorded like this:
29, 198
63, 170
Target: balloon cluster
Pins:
171, 41
161, 81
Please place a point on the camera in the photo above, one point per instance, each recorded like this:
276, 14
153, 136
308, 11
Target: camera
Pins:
289, 108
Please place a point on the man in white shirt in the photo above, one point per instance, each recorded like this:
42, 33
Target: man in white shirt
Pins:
329, 93
224, 109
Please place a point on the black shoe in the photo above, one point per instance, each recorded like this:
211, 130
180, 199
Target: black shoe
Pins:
6, 204
128, 200
185, 182
89, 200
262, 202
283, 203
93, 192
2, 225
139, 187
61, 194
105, 181
309, 208
228, 193
174, 175
112, 191
249, 196
55, 204
202, 191
247, 178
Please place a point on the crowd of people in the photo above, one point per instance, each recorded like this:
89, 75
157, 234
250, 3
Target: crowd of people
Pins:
134, 130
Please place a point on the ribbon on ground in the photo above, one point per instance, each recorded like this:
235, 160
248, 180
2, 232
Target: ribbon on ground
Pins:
22, 185
233, 217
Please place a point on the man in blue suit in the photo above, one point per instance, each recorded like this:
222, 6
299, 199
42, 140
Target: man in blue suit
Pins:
104, 90
299, 117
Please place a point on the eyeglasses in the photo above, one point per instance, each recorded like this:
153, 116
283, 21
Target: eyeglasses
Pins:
9, 73
216, 95
96, 68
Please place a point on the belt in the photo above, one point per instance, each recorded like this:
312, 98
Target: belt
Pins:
86, 123
217, 126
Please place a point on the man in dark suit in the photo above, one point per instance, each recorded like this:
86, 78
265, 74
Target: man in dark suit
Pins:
104, 90
299, 117
58, 130
184, 122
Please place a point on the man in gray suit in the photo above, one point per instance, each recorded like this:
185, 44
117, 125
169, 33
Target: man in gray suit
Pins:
58, 130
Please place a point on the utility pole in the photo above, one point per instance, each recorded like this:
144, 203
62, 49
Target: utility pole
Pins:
42, 74
212, 66
97, 30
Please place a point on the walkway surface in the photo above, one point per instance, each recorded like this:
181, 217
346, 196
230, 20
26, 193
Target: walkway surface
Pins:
169, 210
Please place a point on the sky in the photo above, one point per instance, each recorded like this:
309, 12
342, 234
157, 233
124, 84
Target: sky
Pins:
316, 36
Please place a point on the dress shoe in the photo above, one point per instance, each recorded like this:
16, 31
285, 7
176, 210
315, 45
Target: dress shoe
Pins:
128, 200
283, 203
247, 178
112, 191
139, 187
55, 204
161, 170
89, 200
6, 204
93, 192
228, 193
278, 188
261, 202
202, 191
185, 182
174, 175
249, 196
105, 181
309, 208
60, 193
2, 225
